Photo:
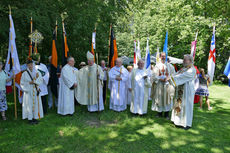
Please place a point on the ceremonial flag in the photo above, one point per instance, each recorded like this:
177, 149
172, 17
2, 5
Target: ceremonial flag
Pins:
93, 42
227, 71
138, 51
193, 47
212, 57
12, 63
147, 58
165, 49
65, 50
134, 57
54, 63
113, 50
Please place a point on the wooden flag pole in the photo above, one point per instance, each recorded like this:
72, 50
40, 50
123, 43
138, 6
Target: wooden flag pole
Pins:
97, 85
51, 57
31, 31
15, 102
107, 82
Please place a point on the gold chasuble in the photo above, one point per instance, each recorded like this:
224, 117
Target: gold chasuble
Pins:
86, 91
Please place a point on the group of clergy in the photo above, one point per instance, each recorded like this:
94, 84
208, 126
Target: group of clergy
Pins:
170, 90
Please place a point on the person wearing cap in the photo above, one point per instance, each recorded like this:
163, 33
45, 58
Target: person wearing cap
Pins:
68, 82
45, 80
3, 80
118, 77
32, 105
82, 64
90, 89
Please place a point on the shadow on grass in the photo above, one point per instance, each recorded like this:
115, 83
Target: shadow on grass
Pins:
110, 131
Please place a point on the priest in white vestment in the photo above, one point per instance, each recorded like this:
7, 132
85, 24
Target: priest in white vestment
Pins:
129, 92
90, 88
32, 104
67, 84
139, 85
163, 91
45, 80
118, 76
183, 80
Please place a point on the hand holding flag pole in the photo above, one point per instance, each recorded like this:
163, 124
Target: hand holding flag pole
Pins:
15, 103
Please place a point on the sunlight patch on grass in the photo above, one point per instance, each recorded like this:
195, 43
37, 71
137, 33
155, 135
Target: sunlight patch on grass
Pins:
52, 149
145, 130
200, 145
216, 150
113, 134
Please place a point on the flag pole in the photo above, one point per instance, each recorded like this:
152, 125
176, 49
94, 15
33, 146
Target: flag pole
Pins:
56, 26
196, 36
98, 108
52, 57
97, 84
15, 103
31, 31
110, 28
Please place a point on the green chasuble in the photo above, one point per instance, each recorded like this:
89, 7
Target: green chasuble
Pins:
86, 91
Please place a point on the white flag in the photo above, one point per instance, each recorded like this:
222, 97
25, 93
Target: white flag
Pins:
212, 57
12, 62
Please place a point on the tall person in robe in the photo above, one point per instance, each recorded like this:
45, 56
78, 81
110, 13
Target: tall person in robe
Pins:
139, 85
129, 92
118, 76
182, 112
45, 80
67, 84
90, 79
163, 91
32, 104
105, 70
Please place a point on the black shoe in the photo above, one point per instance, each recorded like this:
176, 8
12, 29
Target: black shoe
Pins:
159, 114
31, 122
187, 127
166, 115
35, 121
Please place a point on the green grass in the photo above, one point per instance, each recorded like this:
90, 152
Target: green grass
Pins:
120, 132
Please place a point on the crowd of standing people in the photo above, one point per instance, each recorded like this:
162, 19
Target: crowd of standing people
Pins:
169, 91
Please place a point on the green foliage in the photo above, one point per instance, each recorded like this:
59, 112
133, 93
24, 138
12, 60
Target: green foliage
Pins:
132, 19
80, 22
182, 19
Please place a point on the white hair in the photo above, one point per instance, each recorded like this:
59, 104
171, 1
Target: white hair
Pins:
190, 57
69, 58
119, 59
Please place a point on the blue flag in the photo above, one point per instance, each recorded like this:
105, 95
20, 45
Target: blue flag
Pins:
227, 71
147, 57
165, 49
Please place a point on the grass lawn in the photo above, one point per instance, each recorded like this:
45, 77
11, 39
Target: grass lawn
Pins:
110, 131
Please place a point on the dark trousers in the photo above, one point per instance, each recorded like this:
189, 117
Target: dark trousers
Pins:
104, 90
44, 104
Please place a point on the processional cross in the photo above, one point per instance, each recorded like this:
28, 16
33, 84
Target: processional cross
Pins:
36, 37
